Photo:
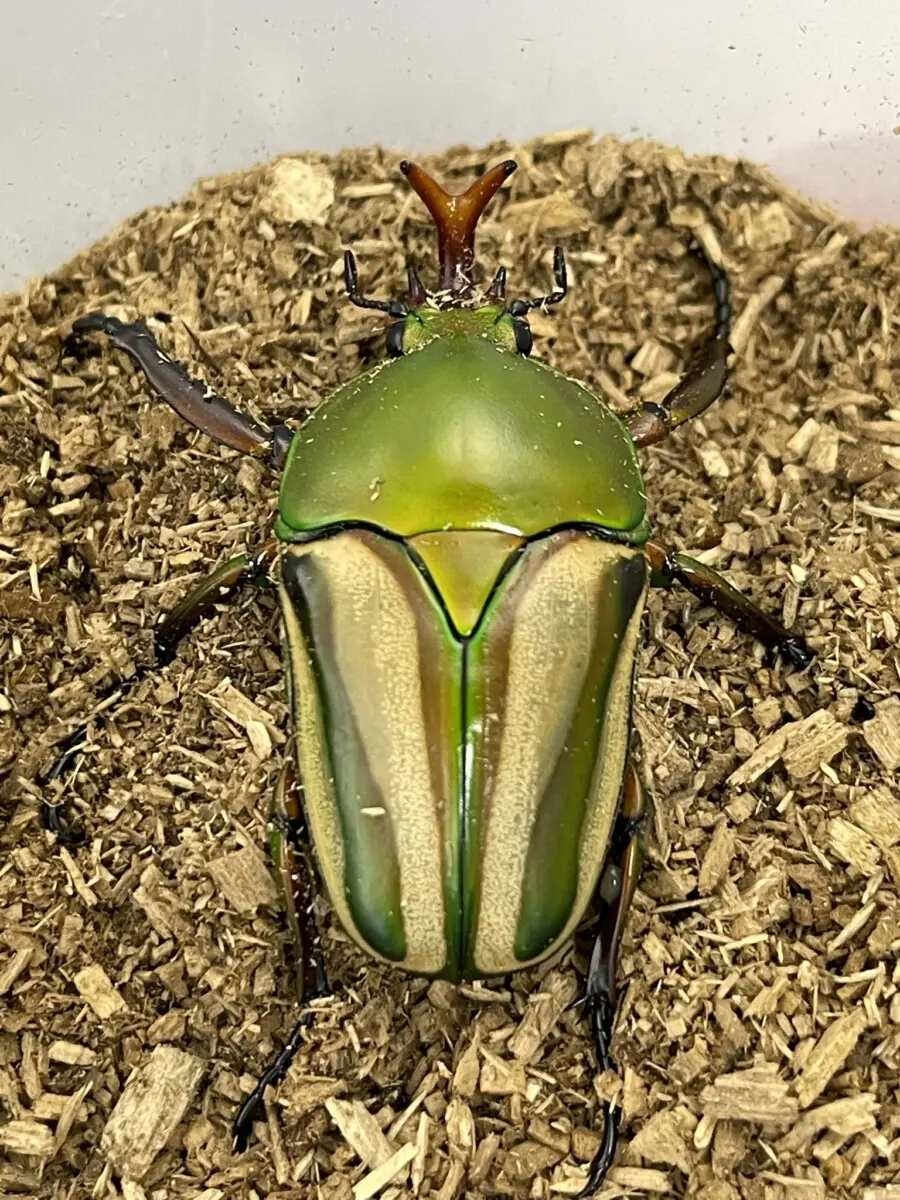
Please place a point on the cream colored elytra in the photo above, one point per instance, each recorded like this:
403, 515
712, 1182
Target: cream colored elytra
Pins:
429, 760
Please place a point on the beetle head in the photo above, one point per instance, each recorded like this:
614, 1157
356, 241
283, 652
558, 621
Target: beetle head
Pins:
456, 217
453, 308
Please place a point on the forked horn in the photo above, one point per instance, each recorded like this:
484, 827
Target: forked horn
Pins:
456, 218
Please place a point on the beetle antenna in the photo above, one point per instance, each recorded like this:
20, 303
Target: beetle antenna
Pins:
417, 293
497, 290
519, 308
394, 308
456, 218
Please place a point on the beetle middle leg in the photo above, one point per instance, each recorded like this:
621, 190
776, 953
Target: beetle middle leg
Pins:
221, 585
615, 893
292, 861
702, 382
669, 567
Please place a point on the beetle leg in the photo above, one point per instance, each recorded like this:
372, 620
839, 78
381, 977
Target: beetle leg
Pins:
668, 568
196, 403
295, 870
703, 380
289, 841
519, 308
615, 891
223, 584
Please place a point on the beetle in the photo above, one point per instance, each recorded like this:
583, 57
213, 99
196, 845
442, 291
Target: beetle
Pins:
462, 555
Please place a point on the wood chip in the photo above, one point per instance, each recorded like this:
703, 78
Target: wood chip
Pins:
883, 733
456, 1174
78, 880
641, 1179
95, 986
819, 259
828, 1055
753, 310
297, 191
798, 446
361, 1131
460, 1125
756, 1094
15, 967
661, 1140
366, 191
717, 859
852, 1114
260, 739
803, 746
769, 227
149, 1110
465, 1077
72, 1054
417, 1172
27, 1137
528, 1159
813, 742
763, 758
822, 455
392, 1168
229, 700
849, 931
555, 213
542, 1012
499, 1078
652, 358
713, 461
852, 846
244, 879
162, 906
878, 813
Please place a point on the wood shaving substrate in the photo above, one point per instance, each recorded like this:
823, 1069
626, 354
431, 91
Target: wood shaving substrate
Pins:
144, 980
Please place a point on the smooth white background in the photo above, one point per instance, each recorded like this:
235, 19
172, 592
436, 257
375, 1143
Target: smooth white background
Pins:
109, 105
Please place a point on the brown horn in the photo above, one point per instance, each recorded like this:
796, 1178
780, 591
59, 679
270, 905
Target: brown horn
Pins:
456, 218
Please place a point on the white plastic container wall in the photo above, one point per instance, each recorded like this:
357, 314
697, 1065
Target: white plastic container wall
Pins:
111, 105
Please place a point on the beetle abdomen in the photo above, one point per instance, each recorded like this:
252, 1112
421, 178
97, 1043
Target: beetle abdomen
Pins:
460, 790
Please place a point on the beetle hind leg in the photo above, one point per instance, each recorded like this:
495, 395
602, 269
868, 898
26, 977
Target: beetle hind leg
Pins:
703, 380
289, 843
615, 892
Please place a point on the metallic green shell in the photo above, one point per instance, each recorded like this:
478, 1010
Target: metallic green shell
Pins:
460, 791
462, 434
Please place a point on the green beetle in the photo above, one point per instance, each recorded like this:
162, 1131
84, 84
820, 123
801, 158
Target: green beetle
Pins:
462, 556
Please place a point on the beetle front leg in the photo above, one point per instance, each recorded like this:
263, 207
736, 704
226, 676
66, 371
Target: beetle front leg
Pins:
196, 403
292, 861
615, 892
702, 382
222, 585
671, 567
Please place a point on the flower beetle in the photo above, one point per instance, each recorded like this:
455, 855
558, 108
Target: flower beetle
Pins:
462, 555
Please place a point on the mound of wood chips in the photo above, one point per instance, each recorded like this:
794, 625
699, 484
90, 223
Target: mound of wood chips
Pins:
142, 976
